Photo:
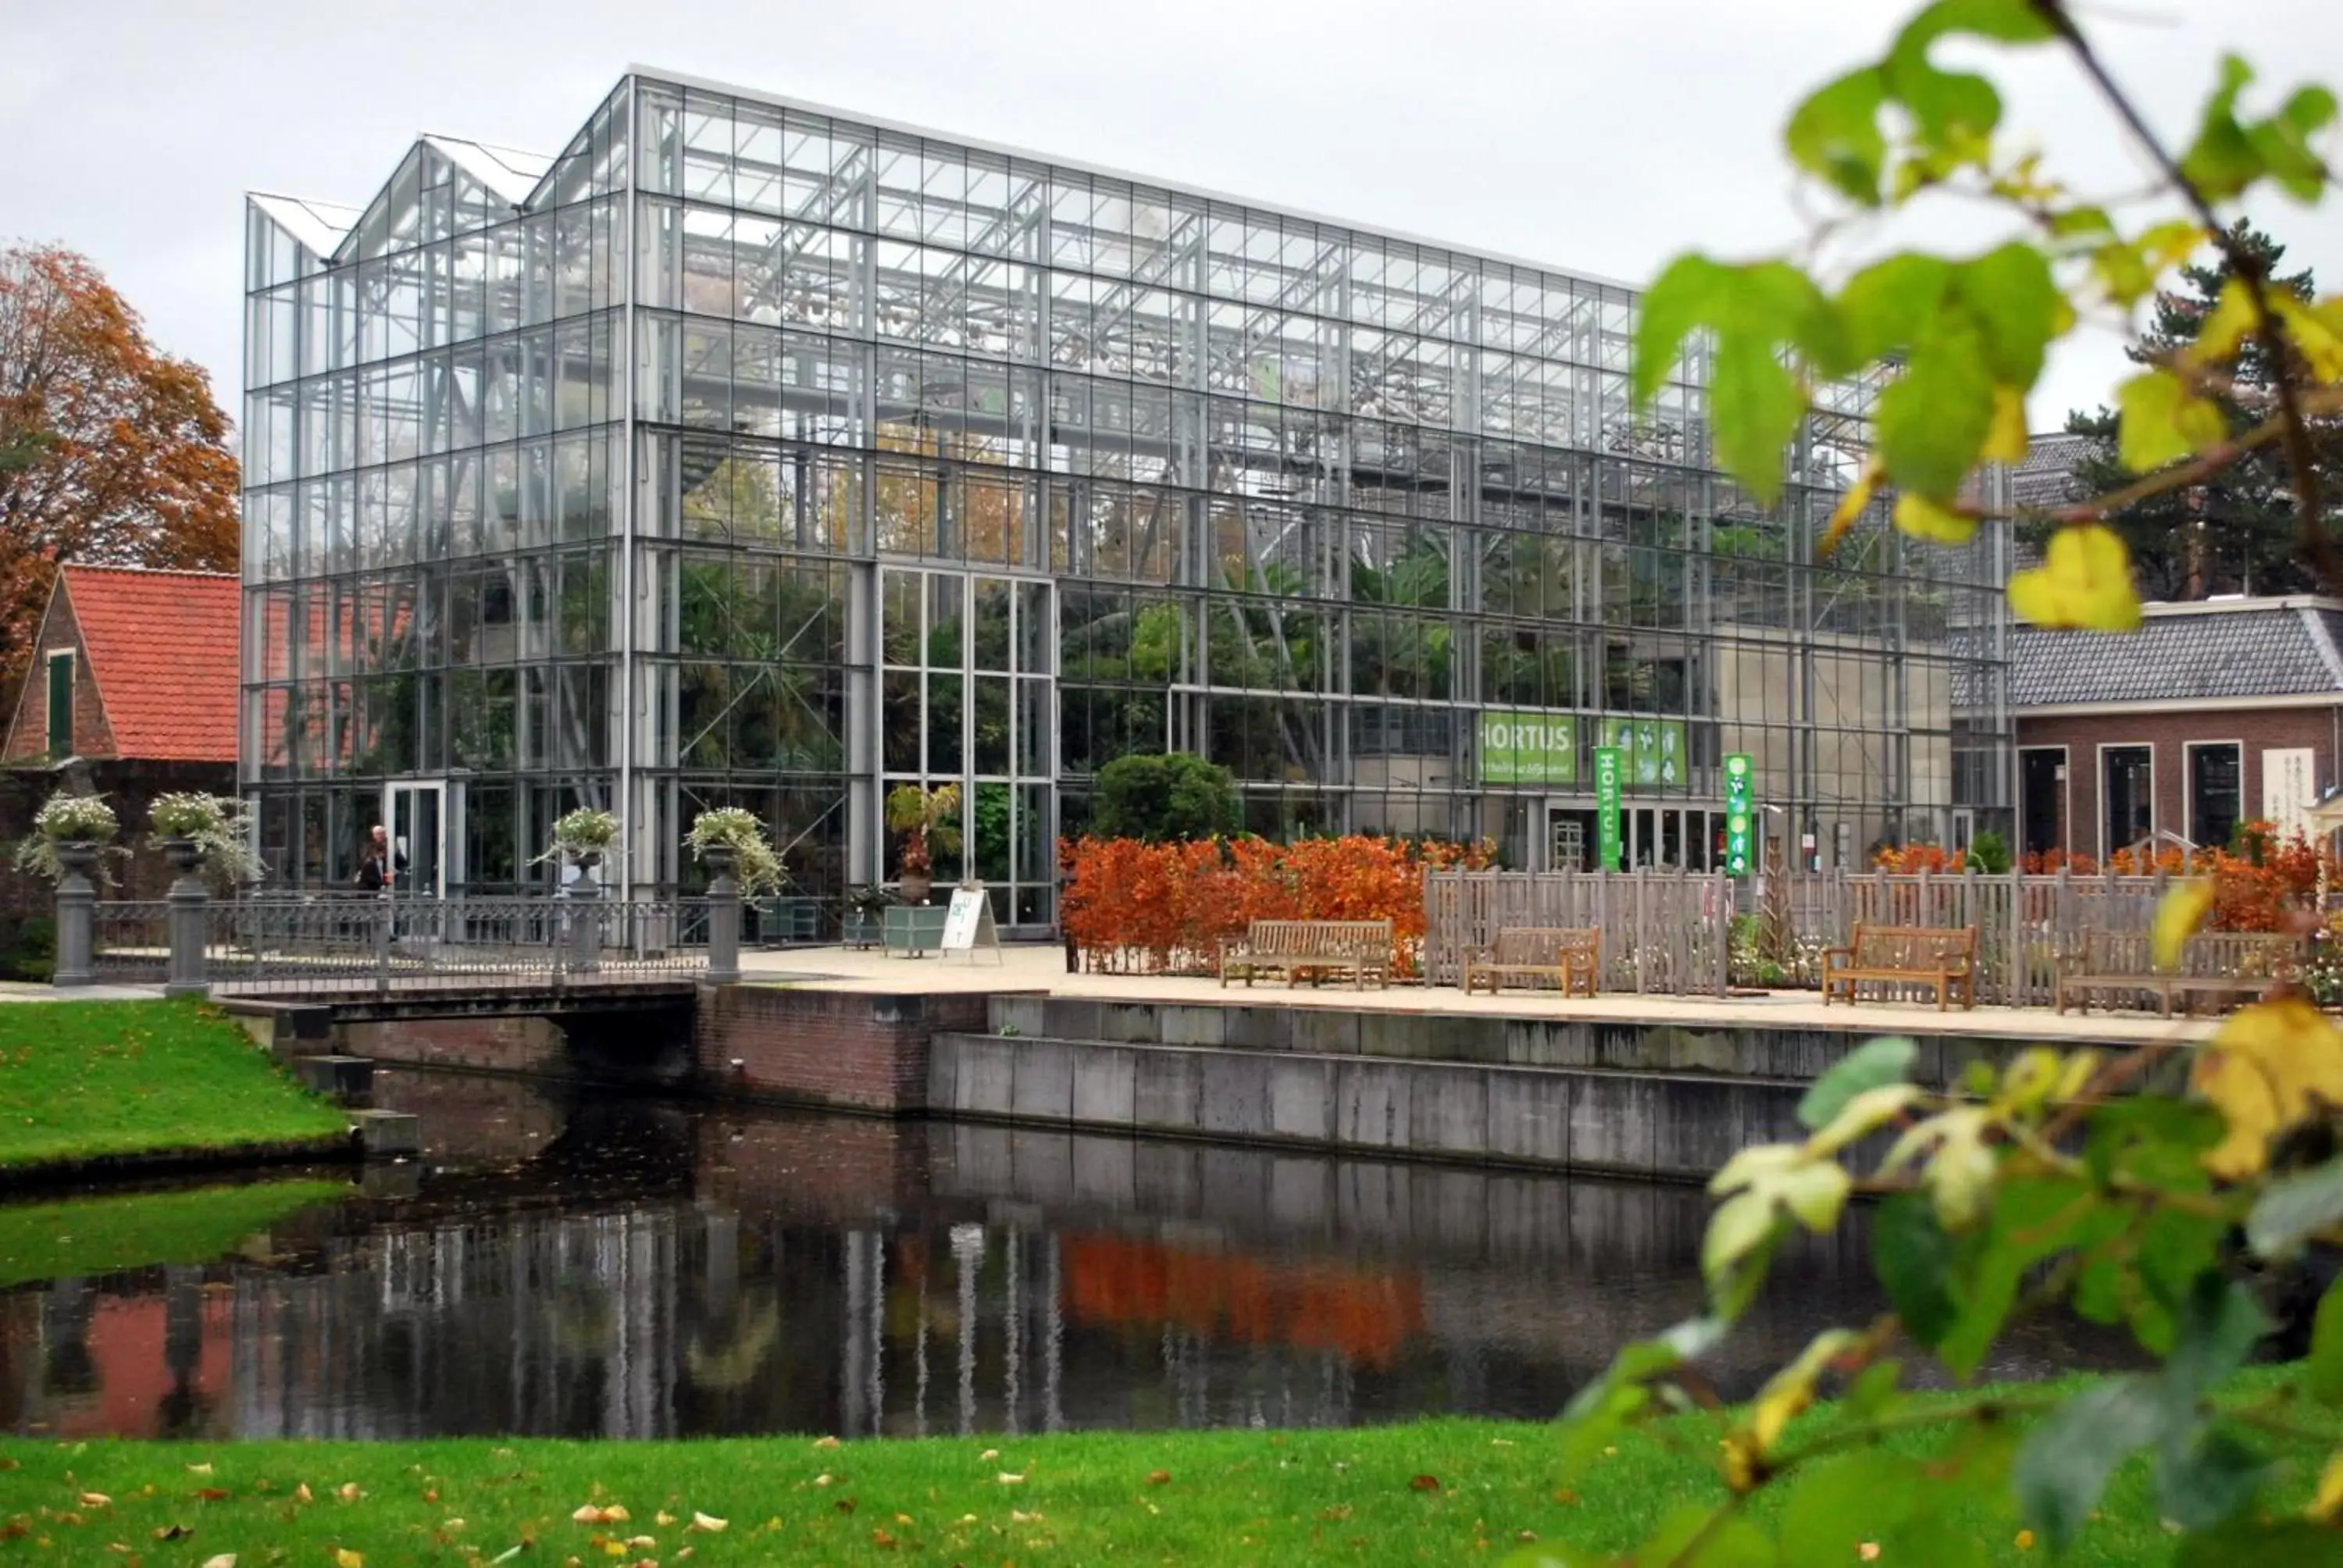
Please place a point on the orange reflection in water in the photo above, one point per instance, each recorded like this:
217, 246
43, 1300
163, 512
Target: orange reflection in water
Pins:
1366, 1317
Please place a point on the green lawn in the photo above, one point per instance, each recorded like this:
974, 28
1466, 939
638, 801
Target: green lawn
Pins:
89, 1236
1435, 1492
82, 1080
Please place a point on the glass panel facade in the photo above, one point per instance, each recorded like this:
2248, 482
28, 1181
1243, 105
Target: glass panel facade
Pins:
757, 457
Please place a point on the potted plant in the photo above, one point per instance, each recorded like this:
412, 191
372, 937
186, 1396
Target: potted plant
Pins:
862, 914
581, 838
71, 836
731, 842
928, 821
193, 829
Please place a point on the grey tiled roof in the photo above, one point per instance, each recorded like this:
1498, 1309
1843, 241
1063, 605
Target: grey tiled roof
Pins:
2266, 647
2046, 476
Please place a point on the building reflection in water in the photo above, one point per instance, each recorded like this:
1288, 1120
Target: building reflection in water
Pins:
654, 1272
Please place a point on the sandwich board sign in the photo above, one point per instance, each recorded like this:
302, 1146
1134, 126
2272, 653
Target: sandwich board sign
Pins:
968, 924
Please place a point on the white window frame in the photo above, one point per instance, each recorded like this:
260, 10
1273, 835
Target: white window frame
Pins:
2100, 792
2065, 796
2189, 784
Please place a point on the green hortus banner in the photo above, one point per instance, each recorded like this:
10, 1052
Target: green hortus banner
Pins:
1521, 746
1651, 751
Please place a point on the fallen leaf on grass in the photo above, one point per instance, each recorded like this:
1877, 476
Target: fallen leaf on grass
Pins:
225, 1560
988, 1456
844, 1505
662, 1519
708, 1522
95, 1500
349, 1491
172, 1532
587, 1513
1425, 1484
1005, 1479
880, 1539
1335, 1515
301, 1492
1868, 1552
1016, 1517
212, 1494
203, 1469
644, 1542
1159, 1477
821, 1480
452, 1524
345, 1558
825, 1442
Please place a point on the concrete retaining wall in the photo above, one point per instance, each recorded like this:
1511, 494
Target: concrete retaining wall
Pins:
1642, 1124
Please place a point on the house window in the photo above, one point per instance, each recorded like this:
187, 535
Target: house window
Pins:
2127, 775
2216, 793
61, 699
2042, 797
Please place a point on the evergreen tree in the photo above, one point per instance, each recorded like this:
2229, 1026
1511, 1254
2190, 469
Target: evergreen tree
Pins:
2234, 533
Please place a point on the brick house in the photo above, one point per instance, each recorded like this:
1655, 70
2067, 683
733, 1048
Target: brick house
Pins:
2214, 712
132, 692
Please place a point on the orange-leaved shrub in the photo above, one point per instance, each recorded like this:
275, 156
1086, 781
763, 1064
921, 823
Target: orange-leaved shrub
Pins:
1167, 907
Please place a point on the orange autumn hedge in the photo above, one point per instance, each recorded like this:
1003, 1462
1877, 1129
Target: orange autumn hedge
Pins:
1155, 908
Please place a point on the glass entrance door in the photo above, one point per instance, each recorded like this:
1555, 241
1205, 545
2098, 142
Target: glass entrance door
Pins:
418, 841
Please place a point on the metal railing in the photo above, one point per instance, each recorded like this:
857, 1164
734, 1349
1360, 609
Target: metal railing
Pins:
130, 941
332, 944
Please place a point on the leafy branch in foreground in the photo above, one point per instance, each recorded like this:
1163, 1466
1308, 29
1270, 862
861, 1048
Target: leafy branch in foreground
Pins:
2182, 1213
1967, 336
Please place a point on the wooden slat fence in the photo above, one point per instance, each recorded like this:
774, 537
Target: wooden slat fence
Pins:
1671, 932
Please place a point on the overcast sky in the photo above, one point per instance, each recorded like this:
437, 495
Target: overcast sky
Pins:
1601, 136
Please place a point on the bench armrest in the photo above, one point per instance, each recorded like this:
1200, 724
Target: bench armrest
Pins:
1841, 954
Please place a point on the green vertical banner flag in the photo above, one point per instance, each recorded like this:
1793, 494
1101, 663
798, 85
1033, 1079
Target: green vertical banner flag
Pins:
1609, 762
1739, 808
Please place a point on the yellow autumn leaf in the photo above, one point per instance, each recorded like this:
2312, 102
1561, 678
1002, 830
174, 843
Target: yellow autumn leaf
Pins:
224, 1560
2084, 582
1792, 1390
345, 1558
2224, 326
2006, 439
707, 1523
2316, 330
2178, 916
2270, 1066
1850, 506
2328, 1501
1934, 520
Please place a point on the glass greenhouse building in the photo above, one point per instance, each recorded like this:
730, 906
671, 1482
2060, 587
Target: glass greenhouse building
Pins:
751, 453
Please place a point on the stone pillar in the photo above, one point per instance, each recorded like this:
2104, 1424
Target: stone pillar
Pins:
723, 915
584, 953
186, 975
76, 916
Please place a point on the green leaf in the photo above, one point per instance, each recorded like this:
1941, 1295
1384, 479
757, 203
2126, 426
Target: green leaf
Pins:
1738, 1227
2064, 1463
1735, 1543
2173, 1251
1871, 1065
2322, 1372
2289, 1211
2003, 21
2163, 421
1914, 1259
1884, 307
1874, 1390
2282, 142
2281, 1543
2034, 1218
1756, 404
1834, 135
2222, 162
1692, 291
2218, 1328
2152, 1140
2206, 1483
2010, 292
1934, 419
1832, 1505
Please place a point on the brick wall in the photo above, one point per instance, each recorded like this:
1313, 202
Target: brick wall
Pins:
489, 1044
846, 1049
28, 735
817, 1169
2256, 729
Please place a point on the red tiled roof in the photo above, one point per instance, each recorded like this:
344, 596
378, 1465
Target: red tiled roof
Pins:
162, 649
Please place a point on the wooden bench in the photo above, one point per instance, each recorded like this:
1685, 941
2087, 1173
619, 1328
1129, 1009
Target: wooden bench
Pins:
1943, 958
1362, 949
2220, 963
1573, 955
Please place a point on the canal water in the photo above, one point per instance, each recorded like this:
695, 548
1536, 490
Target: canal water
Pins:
593, 1267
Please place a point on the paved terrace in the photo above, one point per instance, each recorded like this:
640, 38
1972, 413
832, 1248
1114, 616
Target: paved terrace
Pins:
1043, 969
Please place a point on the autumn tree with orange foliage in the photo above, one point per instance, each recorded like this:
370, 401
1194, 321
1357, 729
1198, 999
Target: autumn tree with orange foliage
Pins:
111, 452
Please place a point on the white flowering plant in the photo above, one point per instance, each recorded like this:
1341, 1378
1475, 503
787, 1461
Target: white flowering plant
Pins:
756, 867
588, 830
67, 819
216, 825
